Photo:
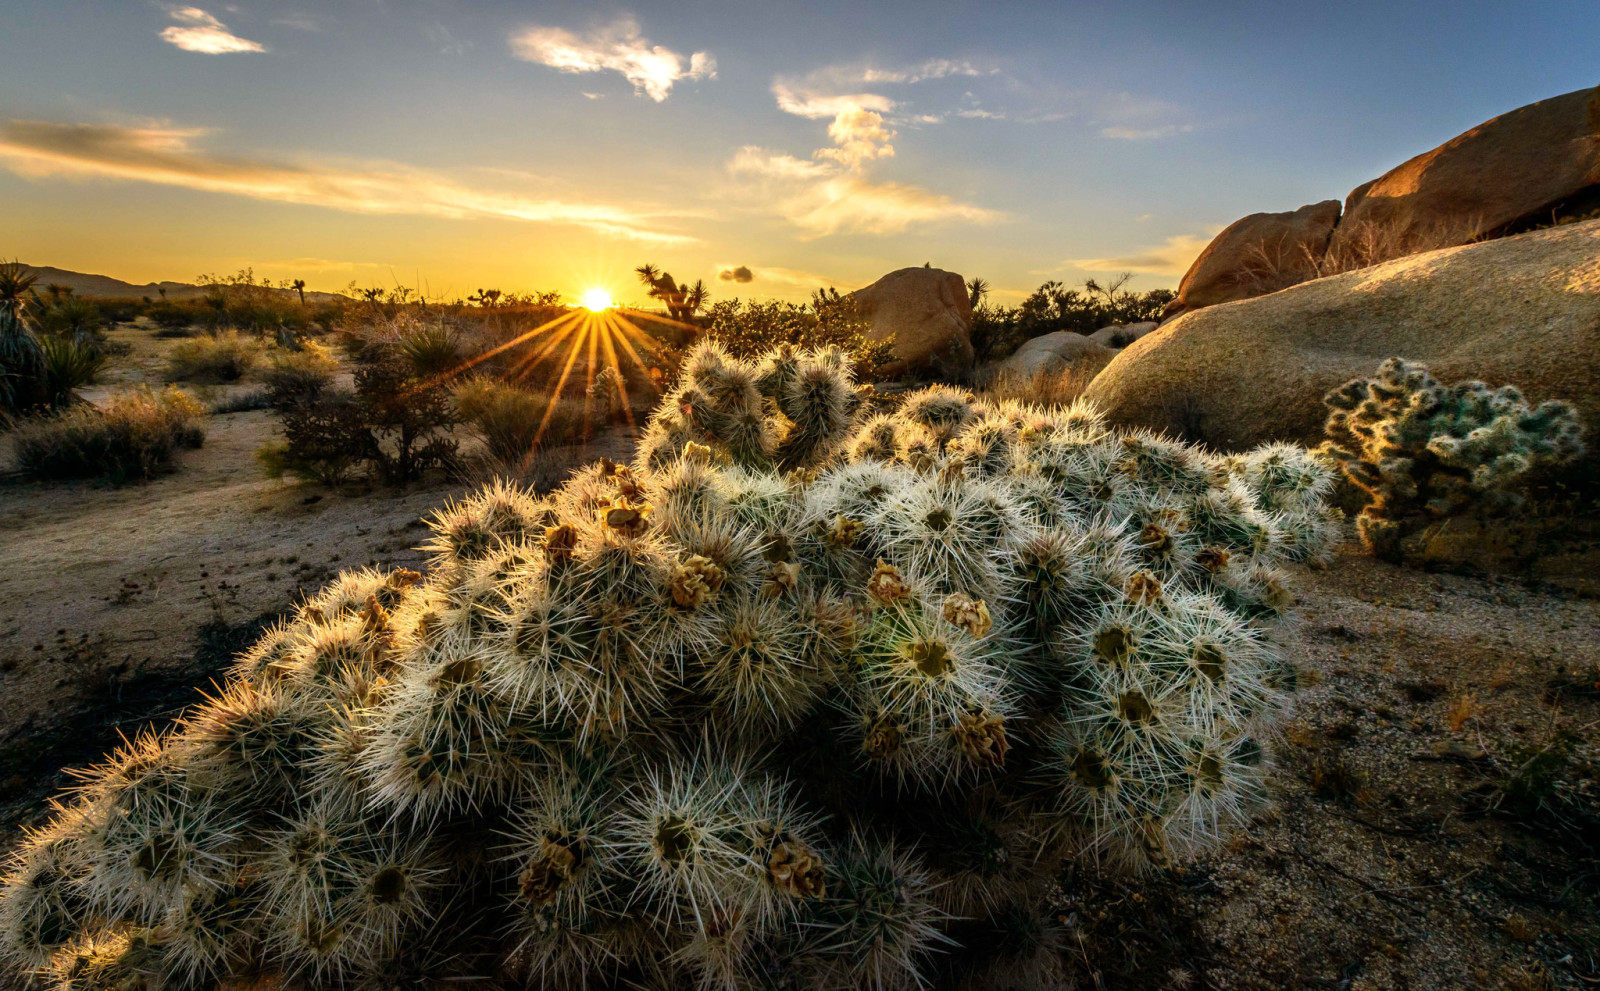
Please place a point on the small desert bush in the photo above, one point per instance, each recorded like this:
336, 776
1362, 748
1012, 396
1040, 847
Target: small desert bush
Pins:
131, 438
298, 376
514, 421
393, 425
213, 359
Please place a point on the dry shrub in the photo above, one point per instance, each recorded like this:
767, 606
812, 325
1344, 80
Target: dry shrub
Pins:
512, 420
299, 376
1268, 268
131, 438
213, 360
1045, 388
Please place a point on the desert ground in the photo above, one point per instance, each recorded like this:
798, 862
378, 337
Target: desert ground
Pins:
1416, 837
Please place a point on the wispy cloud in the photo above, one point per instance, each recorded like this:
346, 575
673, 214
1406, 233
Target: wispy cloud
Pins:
198, 31
1173, 257
937, 68
1124, 133
830, 193
166, 155
618, 47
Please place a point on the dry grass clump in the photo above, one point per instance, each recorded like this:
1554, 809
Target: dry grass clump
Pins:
1060, 387
515, 421
131, 438
213, 360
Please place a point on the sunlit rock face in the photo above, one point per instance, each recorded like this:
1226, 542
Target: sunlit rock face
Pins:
927, 314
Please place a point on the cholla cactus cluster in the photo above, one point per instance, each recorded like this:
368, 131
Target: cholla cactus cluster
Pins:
803, 698
1424, 451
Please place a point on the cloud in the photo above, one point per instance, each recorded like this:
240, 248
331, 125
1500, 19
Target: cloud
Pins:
1170, 258
853, 204
756, 161
830, 193
741, 274
165, 155
619, 47
937, 68
804, 103
198, 31
1123, 133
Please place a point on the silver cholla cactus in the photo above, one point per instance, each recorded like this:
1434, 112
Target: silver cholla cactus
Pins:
1423, 451
781, 703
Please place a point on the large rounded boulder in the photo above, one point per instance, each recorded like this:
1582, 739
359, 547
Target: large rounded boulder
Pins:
1258, 254
1518, 170
1522, 310
927, 314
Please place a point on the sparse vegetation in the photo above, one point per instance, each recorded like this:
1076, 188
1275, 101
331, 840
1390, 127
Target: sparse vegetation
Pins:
132, 437
213, 359
515, 421
748, 330
997, 331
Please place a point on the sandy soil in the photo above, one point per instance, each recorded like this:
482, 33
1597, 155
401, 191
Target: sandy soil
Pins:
1397, 852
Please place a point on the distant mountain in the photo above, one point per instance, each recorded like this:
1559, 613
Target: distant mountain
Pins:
83, 284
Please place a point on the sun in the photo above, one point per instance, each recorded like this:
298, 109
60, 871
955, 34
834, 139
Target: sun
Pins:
597, 300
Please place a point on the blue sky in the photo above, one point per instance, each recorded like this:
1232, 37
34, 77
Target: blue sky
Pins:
557, 145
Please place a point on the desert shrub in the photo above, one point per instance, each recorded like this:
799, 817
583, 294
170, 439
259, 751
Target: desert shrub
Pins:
298, 376
1424, 452
175, 319
998, 331
1060, 387
749, 330
433, 350
68, 364
515, 421
393, 425
131, 438
701, 724
21, 359
244, 401
71, 316
213, 359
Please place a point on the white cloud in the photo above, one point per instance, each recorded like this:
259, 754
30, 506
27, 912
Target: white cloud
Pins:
1173, 257
829, 193
805, 103
619, 47
938, 68
198, 31
849, 203
164, 155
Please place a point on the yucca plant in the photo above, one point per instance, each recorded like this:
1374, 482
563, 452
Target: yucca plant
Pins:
802, 697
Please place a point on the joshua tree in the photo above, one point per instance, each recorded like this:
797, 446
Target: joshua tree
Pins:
682, 302
486, 298
299, 286
977, 289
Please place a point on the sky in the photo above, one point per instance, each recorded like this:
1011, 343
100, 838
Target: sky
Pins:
766, 148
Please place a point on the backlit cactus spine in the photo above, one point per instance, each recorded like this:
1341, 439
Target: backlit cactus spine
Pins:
796, 699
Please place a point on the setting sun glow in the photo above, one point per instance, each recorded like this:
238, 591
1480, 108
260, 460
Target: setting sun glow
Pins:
597, 300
